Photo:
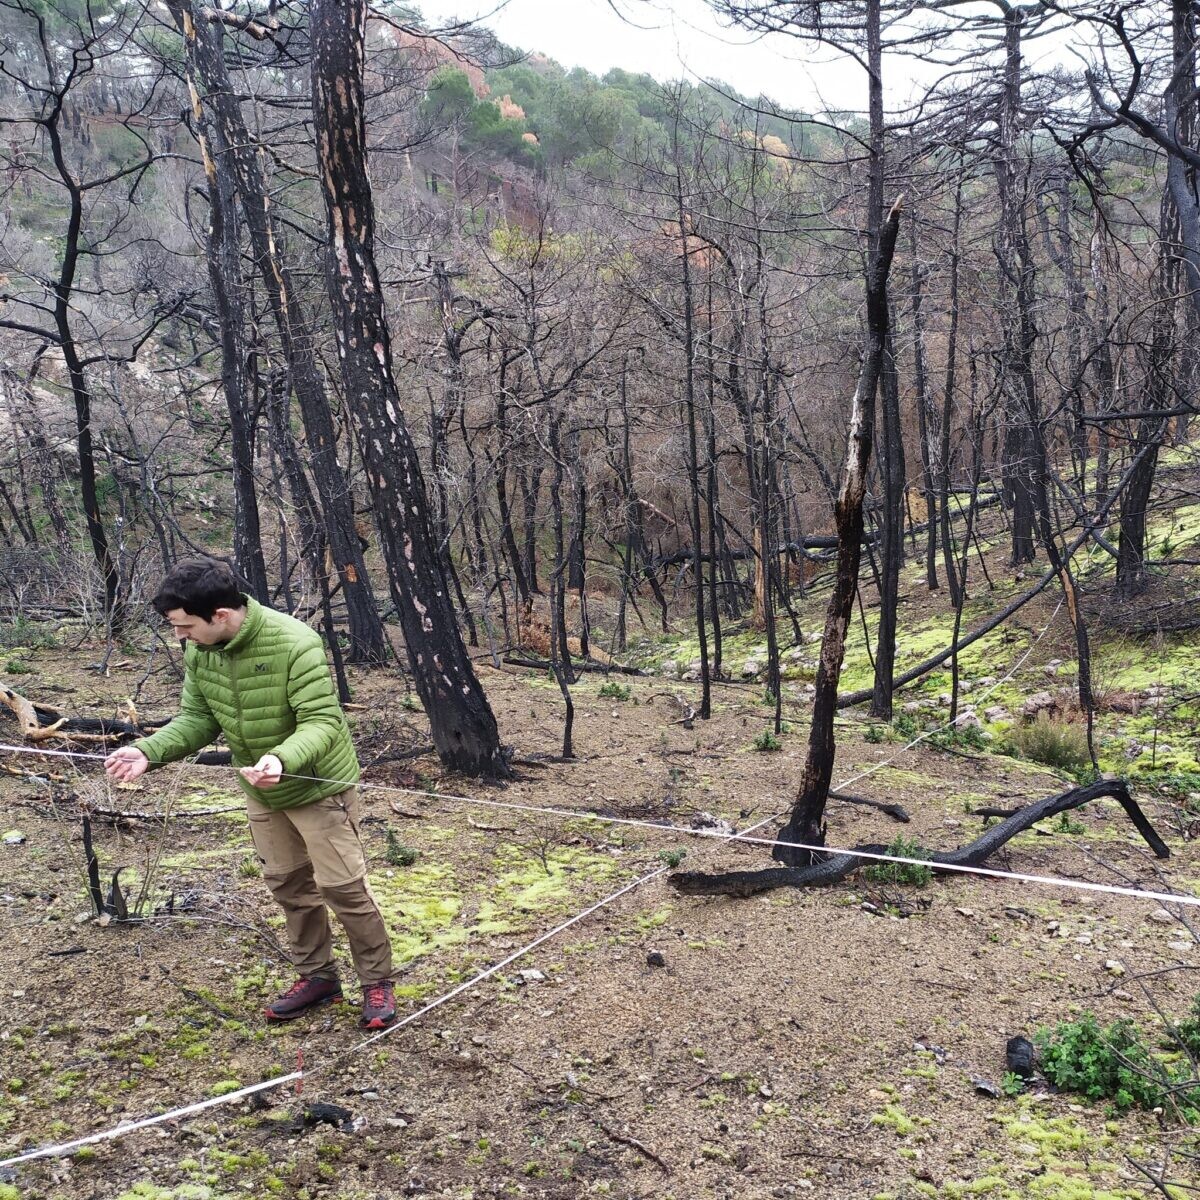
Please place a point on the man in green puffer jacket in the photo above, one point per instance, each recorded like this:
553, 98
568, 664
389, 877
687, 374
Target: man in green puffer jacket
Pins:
260, 678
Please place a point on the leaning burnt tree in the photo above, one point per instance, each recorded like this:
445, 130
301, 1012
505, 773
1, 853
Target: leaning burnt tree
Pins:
461, 721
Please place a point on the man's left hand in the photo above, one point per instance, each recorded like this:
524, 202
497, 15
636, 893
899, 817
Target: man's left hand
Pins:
265, 773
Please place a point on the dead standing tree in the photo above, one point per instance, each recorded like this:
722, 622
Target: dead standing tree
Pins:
239, 168
461, 720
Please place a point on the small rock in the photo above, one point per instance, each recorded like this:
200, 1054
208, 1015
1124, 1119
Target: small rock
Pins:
14, 837
997, 712
656, 959
1179, 945
944, 700
1113, 967
985, 1087
1122, 994
968, 720
1160, 916
750, 668
1038, 702
965, 685
912, 706
986, 681
1052, 926
1019, 1056
965, 912
396, 1122
532, 975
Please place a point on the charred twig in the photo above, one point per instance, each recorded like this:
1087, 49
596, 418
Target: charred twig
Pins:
632, 1142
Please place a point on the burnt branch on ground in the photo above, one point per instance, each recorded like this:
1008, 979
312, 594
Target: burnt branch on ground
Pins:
834, 867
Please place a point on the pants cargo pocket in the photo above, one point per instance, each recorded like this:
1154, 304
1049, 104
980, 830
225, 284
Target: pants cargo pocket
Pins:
329, 828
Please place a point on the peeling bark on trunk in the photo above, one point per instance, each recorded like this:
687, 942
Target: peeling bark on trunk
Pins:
461, 720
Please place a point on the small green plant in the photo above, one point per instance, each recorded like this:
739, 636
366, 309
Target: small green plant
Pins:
1110, 1063
1012, 1084
249, 868
396, 853
905, 726
873, 734
410, 703
767, 741
672, 857
1066, 824
960, 737
1058, 744
612, 690
767, 699
901, 872
15, 666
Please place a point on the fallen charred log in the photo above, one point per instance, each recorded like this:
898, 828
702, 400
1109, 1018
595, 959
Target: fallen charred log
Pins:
834, 867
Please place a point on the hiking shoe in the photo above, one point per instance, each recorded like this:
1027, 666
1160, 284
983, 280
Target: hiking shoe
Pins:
379, 1005
303, 995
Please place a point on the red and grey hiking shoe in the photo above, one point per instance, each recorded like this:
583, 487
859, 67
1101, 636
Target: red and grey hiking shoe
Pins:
379, 1005
303, 995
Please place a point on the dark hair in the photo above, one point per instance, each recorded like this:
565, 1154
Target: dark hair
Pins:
199, 585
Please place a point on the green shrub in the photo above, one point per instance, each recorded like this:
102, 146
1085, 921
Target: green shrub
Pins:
767, 741
397, 854
1110, 1063
1057, 744
873, 734
672, 857
612, 690
1188, 1030
901, 847
15, 666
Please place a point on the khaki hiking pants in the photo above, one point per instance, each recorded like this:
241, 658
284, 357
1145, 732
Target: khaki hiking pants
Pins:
312, 859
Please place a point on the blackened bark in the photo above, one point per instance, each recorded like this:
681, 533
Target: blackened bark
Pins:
892, 468
924, 412
204, 43
952, 584
1016, 285
807, 823
81, 395
461, 720
224, 274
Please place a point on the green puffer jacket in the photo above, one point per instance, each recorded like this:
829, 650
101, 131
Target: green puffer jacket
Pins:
268, 691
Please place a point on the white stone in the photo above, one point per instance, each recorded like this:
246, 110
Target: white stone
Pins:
1114, 967
1037, 703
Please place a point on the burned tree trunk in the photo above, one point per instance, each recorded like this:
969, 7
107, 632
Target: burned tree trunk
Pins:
806, 823
213, 90
224, 273
461, 720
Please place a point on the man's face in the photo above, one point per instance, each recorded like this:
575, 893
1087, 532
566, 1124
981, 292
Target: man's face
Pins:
196, 629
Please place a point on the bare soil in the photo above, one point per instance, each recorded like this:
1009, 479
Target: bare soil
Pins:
794, 1043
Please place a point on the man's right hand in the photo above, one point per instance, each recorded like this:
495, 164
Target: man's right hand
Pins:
126, 765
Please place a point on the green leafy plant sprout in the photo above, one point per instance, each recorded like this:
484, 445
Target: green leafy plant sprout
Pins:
612, 690
672, 857
396, 853
767, 741
901, 872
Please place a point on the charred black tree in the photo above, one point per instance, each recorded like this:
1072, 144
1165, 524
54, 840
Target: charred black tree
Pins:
462, 724
807, 822
213, 91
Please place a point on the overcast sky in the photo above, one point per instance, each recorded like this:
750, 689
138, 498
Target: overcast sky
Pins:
682, 39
